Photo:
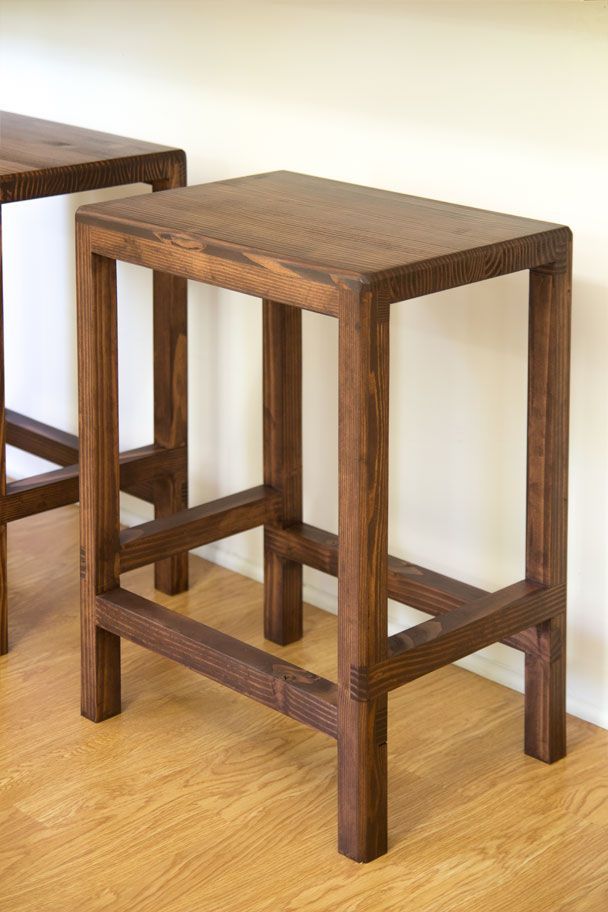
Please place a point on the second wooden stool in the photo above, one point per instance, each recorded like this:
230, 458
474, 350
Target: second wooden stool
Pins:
40, 158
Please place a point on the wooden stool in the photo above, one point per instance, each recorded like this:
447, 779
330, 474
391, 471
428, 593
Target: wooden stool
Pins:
348, 252
39, 158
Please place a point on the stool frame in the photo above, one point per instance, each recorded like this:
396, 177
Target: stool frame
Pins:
156, 473
528, 615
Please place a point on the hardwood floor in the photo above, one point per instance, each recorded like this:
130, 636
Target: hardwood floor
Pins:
196, 798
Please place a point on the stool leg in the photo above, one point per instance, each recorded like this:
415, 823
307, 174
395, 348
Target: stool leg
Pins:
362, 582
99, 475
171, 414
3, 527
282, 357
171, 402
547, 492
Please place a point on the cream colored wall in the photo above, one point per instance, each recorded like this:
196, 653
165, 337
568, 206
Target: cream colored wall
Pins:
501, 106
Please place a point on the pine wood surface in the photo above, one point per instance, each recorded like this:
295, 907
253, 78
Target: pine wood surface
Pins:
325, 224
302, 240
43, 158
198, 798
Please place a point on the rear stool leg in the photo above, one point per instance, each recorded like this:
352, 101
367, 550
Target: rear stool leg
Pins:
282, 358
171, 415
171, 400
547, 492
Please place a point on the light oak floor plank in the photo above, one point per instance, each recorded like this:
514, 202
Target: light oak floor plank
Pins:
196, 798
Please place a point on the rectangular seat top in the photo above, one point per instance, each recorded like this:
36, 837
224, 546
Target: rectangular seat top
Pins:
334, 228
42, 158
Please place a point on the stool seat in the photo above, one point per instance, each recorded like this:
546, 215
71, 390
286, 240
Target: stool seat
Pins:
302, 243
43, 158
284, 219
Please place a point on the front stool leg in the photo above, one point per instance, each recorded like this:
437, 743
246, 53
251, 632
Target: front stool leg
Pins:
99, 474
362, 578
545, 685
547, 500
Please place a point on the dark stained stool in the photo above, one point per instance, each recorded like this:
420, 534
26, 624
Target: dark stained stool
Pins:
39, 158
349, 252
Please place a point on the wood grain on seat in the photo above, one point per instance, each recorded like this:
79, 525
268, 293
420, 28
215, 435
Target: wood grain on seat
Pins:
42, 158
335, 227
